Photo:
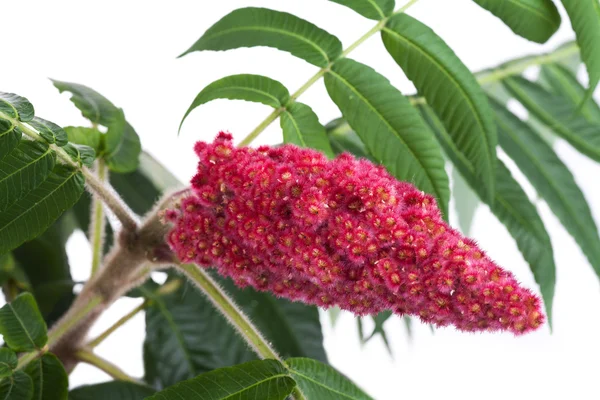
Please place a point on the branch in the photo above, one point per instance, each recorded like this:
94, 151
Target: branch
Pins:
313, 79
98, 220
104, 365
233, 314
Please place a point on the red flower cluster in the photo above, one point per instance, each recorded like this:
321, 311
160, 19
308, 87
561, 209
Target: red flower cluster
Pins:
341, 232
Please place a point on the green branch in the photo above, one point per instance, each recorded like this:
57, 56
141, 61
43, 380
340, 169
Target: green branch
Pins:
104, 365
233, 314
313, 79
98, 220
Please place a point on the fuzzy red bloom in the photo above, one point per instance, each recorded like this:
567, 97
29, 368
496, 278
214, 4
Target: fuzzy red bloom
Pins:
341, 232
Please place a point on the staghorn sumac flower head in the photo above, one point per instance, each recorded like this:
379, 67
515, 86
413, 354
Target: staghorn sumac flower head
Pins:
343, 232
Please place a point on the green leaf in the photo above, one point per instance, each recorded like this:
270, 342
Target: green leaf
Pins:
264, 380
372, 9
552, 180
322, 382
15, 106
158, 174
122, 145
465, 200
249, 27
585, 19
564, 83
391, 129
86, 136
51, 132
115, 390
51, 285
255, 88
10, 136
22, 325
535, 20
558, 114
50, 380
301, 127
33, 214
379, 329
95, 107
16, 387
344, 139
81, 154
8, 362
23, 170
513, 208
186, 336
450, 89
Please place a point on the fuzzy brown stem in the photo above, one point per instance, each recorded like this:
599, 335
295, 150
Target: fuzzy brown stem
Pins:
129, 263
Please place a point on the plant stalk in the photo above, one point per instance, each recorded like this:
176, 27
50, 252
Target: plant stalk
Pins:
104, 365
313, 79
98, 220
233, 314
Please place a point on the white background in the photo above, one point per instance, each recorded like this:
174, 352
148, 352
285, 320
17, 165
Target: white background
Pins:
127, 51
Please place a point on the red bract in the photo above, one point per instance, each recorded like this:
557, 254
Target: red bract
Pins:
342, 232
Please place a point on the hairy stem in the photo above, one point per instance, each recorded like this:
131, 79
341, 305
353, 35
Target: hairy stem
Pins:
233, 314
313, 79
104, 365
167, 288
230, 310
94, 343
98, 220
121, 266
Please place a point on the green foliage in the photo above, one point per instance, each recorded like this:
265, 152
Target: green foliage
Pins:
301, 126
18, 386
564, 83
8, 362
552, 180
51, 285
186, 336
82, 155
90, 137
24, 169
10, 136
372, 9
389, 126
558, 114
536, 20
120, 146
322, 382
265, 380
255, 88
465, 200
51, 132
115, 390
50, 380
249, 27
585, 19
450, 89
42, 169
22, 325
16, 107
42, 206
